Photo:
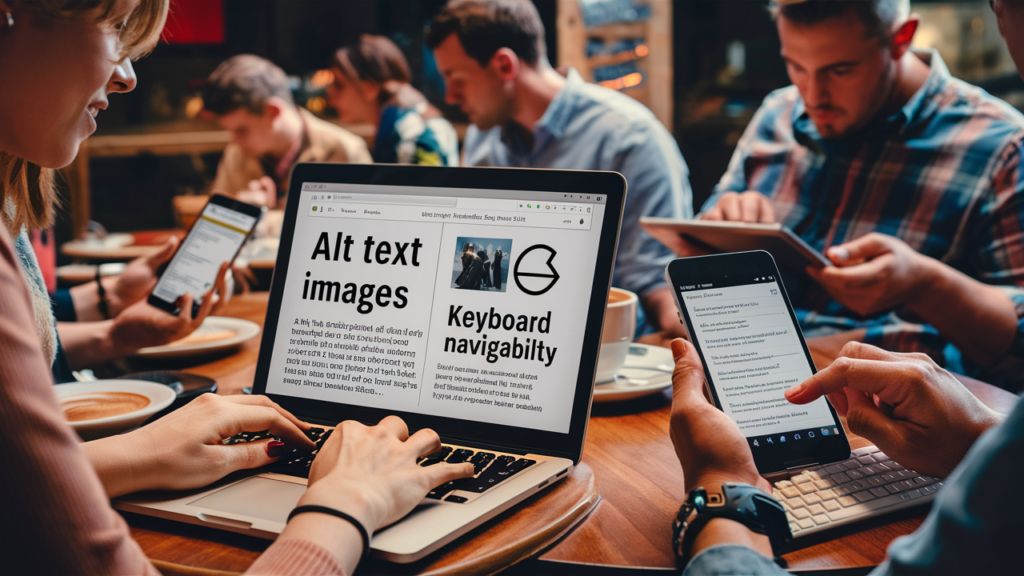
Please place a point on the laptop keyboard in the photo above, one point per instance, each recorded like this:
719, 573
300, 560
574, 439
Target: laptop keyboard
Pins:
867, 485
490, 468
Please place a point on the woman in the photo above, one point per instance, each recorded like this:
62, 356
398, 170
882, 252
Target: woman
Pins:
371, 84
59, 60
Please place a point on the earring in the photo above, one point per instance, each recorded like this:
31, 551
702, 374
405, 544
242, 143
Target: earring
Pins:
10, 19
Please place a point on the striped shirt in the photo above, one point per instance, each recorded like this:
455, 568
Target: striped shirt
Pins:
943, 174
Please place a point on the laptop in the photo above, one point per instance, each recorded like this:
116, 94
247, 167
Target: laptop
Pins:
465, 300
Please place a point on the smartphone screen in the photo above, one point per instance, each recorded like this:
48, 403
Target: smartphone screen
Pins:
739, 318
216, 237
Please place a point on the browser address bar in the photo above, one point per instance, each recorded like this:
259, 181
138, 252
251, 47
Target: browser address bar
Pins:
400, 199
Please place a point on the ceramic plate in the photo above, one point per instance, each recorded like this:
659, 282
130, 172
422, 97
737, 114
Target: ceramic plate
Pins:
205, 340
159, 396
648, 370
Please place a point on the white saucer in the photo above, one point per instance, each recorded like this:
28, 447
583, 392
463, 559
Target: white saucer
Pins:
159, 396
244, 330
648, 370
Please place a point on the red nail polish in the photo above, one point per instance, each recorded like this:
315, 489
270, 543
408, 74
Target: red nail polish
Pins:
275, 449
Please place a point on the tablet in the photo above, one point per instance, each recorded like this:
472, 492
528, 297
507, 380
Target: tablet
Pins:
717, 236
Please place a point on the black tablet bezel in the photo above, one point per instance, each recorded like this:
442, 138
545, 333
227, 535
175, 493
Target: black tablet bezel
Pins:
717, 270
568, 445
220, 200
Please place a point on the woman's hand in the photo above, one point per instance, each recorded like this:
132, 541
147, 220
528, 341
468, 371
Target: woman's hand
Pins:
185, 449
371, 472
709, 445
142, 325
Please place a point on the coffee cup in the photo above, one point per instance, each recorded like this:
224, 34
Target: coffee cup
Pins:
619, 329
106, 407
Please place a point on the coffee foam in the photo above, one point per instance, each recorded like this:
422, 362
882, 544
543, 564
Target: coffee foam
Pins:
97, 405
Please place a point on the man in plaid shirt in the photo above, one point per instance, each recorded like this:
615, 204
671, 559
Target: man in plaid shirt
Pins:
909, 180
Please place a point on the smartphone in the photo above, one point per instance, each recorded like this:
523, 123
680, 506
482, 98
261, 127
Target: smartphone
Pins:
216, 237
742, 324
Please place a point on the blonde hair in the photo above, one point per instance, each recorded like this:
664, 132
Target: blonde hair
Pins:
27, 192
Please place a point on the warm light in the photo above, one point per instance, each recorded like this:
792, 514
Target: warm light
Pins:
641, 50
633, 79
627, 81
322, 78
193, 107
317, 104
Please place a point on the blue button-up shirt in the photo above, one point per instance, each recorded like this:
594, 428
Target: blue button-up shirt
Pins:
588, 127
944, 174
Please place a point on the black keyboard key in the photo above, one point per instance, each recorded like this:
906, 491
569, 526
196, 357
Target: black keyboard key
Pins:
503, 468
436, 457
480, 460
456, 499
459, 456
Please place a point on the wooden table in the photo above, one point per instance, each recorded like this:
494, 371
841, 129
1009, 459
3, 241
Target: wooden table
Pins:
636, 472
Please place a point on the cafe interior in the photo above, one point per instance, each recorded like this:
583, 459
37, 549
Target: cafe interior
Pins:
720, 118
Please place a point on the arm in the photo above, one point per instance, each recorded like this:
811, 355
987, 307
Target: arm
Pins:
185, 449
914, 411
658, 186
878, 272
370, 474
968, 531
123, 290
138, 326
712, 451
49, 478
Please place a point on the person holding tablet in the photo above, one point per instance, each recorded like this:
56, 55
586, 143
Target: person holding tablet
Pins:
906, 178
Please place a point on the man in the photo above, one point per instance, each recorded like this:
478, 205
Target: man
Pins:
907, 179
911, 409
250, 97
524, 114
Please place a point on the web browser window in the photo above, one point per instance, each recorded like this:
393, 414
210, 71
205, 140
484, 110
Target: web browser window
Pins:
213, 240
459, 303
753, 354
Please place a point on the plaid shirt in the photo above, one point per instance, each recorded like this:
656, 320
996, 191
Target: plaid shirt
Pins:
944, 174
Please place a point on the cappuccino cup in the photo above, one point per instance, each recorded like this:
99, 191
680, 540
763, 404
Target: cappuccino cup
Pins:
619, 328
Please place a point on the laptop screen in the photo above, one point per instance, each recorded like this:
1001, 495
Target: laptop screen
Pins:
462, 303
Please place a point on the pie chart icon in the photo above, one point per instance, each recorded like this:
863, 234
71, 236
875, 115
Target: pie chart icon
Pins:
533, 272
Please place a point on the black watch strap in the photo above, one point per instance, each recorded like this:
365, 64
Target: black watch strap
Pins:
742, 503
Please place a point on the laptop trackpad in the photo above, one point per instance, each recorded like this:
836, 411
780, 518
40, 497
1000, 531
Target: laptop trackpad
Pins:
256, 497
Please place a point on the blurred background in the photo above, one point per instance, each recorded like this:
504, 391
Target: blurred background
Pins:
703, 67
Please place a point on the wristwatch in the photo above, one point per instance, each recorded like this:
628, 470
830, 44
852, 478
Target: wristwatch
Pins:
743, 503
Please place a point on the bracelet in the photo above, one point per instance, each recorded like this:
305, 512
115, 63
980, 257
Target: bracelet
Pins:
103, 304
338, 514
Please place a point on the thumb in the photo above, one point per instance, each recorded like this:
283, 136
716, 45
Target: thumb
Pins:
858, 250
867, 420
688, 375
154, 261
440, 474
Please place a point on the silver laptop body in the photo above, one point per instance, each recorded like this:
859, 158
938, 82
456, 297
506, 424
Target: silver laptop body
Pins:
542, 243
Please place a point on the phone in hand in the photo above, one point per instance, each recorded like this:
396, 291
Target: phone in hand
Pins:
216, 236
742, 324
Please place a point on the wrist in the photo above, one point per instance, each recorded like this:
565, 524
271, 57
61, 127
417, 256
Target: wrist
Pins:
930, 290
350, 500
719, 531
112, 461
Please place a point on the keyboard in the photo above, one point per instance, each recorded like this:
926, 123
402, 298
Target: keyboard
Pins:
867, 485
491, 468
